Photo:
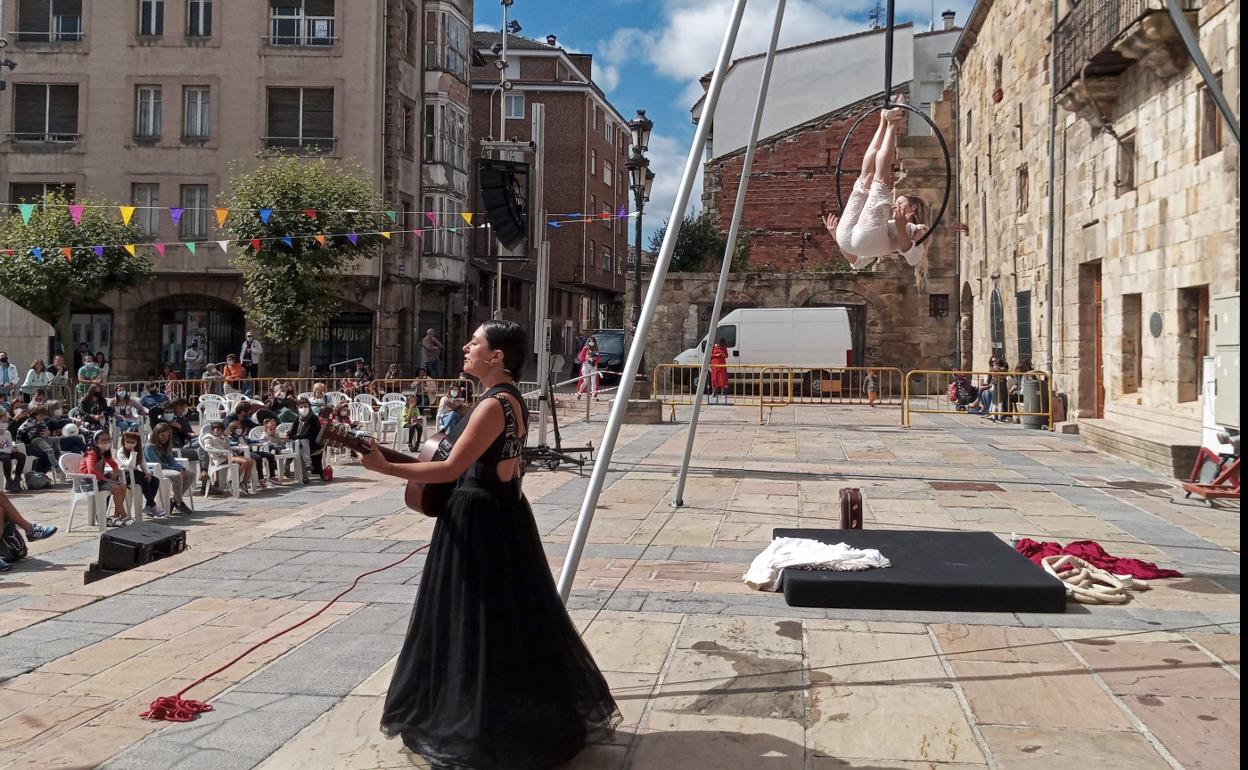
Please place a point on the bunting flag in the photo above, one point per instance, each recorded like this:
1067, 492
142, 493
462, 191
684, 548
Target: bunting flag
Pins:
190, 246
353, 238
255, 244
37, 253
554, 224
225, 245
623, 212
160, 248
577, 215
385, 234
320, 239
394, 216
453, 229
418, 233
310, 214
127, 212
99, 252
176, 215
265, 215
75, 213
432, 217
221, 215
290, 242
130, 249
27, 209
68, 253
467, 217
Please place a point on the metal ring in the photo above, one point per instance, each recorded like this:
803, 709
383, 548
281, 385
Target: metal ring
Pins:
944, 148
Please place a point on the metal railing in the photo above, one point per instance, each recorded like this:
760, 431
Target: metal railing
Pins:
931, 391
317, 143
301, 31
30, 137
1090, 29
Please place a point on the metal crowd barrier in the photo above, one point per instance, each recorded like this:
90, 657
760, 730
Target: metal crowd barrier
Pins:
927, 391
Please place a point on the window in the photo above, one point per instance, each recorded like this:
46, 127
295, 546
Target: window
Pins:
197, 120
45, 113
997, 325
440, 240
407, 143
151, 17
1132, 342
727, 336
446, 46
147, 120
514, 298
595, 111
1210, 138
1125, 181
342, 337
301, 118
969, 126
608, 173
607, 263
41, 21
37, 191
1023, 316
453, 142
593, 206
513, 106
608, 216
1193, 340
938, 305
593, 163
194, 222
199, 18
411, 32
431, 131
1022, 191
301, 22
146, 200
610, 133
593, 253
406, 219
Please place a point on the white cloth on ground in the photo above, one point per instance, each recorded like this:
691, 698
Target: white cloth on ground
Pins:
803, 553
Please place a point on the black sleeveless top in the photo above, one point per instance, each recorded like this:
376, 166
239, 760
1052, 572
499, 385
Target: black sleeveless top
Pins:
509, 444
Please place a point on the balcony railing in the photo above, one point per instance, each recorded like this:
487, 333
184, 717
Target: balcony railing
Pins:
302, 31
304, 143
28, 137
64, 29
1086, 36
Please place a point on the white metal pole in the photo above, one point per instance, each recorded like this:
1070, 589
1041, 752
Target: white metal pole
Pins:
725, 269
538, 244
661, 264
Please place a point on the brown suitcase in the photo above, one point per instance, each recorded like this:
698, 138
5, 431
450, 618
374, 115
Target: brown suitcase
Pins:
851, 508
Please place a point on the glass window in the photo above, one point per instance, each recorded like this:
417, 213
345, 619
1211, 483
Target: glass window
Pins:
727, 336
608, 172
997, 325
45, 113
146, 199
199, 18
147, 121
1023, 300
607, 263
301, 22
513, 106
41, 21
431, 132
35, 192
408, 129
196, 124
593, 162
195, 211
151, 17
301, 118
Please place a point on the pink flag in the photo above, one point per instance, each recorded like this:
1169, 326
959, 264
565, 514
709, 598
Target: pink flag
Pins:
75, 213
160, 248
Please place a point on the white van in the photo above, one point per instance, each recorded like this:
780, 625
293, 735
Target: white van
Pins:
806, 338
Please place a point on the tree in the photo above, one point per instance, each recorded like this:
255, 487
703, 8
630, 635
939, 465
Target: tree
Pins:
293, 281
700, 246
37, 274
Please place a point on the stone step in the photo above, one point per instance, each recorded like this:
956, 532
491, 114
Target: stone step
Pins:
1172, 456
1123, 411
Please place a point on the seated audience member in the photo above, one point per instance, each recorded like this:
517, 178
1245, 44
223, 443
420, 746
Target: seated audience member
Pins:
131, 459
412, 421
127, 414
93, 409
37, 436
37, 378
154, 402
308, 429
450, 409
212, 379
102, 364
233, 374
10, 378
100, 463
240, 441
173, 385
217, 443
60, 378
11, 519
161, 450
11, 458
318, 399
426, 388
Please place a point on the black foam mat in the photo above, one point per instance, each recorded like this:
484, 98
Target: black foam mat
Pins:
949, 571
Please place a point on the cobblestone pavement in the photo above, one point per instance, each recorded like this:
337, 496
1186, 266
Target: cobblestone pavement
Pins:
707, 673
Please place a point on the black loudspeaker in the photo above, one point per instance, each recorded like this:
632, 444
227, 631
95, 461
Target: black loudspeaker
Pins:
127, 547
505, 198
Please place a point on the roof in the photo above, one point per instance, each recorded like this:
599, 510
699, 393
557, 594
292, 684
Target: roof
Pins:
971, 31
489, 39
706, 78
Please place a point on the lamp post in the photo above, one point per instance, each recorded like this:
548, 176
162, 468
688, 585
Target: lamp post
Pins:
640, 180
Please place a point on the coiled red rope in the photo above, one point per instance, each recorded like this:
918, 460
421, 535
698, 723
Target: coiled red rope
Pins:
174, 708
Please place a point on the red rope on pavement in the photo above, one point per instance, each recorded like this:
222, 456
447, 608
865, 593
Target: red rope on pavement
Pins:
173, 708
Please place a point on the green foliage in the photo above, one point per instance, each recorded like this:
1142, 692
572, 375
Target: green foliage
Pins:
51, 287
700, 246
292, 289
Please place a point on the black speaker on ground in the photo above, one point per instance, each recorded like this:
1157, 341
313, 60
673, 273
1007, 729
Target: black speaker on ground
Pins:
128, 547
504, 193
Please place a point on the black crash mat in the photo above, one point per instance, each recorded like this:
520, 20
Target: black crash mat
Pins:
957, 571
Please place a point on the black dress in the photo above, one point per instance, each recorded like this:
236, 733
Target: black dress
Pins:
493, 674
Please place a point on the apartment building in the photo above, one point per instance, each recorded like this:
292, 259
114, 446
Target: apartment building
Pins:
587, 143
156, 102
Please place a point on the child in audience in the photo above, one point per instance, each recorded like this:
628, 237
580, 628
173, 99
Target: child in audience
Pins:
100, 463
217, 444
163, 450
411, 421
11, 459
133, 462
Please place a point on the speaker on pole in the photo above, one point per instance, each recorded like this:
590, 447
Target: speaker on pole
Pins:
505, 198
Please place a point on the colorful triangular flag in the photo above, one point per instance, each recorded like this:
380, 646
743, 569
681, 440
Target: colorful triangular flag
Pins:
130, 249
353, 238
27, 209
419, 233
127, 212
190, 246
290, 242
394, 216
623, 212
99, 252
221, 215
37, 253
75, 213
385, 234
432, 217
265, 214
68, 253
255, 244
320, 239
176, 215
310, 213
554, 224
160, 248
467, 215
225, 245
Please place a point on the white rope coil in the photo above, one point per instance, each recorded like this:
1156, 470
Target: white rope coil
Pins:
1088, 584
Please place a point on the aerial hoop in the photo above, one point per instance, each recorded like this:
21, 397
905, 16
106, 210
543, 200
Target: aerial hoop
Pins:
944, 203
888, 102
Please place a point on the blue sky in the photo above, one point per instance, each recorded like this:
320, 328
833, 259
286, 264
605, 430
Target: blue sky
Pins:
650, 53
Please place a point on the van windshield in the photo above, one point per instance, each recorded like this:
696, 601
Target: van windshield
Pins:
610, 344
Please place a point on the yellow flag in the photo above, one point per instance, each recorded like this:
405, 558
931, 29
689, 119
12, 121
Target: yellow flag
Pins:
385, 235
126, 213
467, 217
130, 248
221, 215
320, 239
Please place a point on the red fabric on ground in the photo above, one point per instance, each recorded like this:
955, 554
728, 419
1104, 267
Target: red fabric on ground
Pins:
1092, 552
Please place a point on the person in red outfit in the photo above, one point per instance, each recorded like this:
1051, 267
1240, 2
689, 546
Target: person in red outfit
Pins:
719, 372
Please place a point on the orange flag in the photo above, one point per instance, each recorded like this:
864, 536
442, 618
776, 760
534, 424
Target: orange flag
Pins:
68, 252
320, 239
221, 215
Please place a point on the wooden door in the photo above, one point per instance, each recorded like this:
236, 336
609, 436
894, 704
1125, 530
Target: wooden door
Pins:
1098, 348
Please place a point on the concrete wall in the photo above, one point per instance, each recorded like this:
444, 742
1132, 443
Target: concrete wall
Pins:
22, 335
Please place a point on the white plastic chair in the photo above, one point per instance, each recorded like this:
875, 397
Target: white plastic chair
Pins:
234, 396
215, 467
286, 455
390, 398
301, 396
390, 418
335, 397
364, 417
96, 499
367, 398
212, 411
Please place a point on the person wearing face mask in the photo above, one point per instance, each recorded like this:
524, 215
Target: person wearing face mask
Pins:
450, 408
60, 378
10, 380
11, 457
94, 410
126, 413
194, 359
154, 402
307, 431
100, 463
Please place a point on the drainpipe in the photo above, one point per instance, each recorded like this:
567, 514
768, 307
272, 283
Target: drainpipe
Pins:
1052, 224
957, 203
385, 131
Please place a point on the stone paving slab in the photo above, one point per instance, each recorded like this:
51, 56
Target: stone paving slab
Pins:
706, 673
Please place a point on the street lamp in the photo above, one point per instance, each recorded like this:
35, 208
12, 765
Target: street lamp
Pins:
640, 180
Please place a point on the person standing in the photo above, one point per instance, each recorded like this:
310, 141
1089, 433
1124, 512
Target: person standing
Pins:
492, 673
719, 372
81, 355
194, 359
60, 378
431, 353
10, 378
588, 359
250, 359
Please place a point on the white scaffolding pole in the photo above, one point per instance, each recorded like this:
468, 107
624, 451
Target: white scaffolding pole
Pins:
725, 269
640, 338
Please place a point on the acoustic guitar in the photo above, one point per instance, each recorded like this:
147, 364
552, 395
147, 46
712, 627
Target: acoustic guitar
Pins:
429, 499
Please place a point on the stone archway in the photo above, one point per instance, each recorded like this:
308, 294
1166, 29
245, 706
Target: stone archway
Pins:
158, 331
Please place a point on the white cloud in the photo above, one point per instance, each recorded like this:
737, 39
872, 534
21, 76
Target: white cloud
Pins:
667, 161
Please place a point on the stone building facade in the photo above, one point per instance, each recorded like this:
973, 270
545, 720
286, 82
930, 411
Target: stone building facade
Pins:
1146, 199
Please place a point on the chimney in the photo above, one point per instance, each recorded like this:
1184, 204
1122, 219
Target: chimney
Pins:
551, 40
948, 18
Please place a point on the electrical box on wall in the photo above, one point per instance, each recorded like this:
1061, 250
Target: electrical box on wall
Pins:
1225, 336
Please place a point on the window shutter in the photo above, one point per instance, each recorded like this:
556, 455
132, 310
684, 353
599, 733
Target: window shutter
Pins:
318, 113
283, 112
318, 7
63, 116
29, 103
33, 20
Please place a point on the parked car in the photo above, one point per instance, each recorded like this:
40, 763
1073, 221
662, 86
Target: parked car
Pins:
612, 352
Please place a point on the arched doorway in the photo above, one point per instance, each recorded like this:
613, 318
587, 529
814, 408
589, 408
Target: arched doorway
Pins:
218, 325
345, 335
996, 324
966, 328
